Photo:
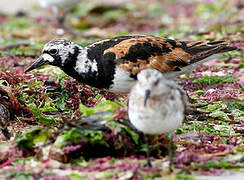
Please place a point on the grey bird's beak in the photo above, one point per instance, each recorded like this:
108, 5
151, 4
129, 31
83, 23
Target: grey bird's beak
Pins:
6, 133
38, 63
147, 95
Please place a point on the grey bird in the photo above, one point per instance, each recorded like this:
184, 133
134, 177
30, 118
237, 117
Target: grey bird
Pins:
156, 106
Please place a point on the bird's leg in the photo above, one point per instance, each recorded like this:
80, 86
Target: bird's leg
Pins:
67, 28
190, 100
201, 136
6, 133
148, 164
59, 16
61, 19
68, 10
62, 15
170, 156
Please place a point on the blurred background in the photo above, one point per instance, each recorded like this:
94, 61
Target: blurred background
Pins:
17, 5
102, 18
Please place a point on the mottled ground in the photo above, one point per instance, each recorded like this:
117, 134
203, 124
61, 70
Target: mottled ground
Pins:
79, 132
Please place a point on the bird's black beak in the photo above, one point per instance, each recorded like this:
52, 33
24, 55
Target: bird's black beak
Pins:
6, 133
147, 95
38, 63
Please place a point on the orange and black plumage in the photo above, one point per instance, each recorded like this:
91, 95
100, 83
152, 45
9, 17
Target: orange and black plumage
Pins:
113, 64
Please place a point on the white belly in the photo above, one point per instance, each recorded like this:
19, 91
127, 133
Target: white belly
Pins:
156, 118
122, 82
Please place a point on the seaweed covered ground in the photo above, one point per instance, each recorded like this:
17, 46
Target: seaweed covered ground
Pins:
62, 129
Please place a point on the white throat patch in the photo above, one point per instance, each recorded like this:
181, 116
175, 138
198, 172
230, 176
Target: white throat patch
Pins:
47, 57
84, 65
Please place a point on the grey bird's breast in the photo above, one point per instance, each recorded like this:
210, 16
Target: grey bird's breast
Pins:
158, 116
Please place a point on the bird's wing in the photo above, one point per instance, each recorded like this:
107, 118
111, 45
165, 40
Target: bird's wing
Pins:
137, 52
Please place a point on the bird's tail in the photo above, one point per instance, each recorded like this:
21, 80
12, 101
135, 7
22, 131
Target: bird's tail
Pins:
201, 52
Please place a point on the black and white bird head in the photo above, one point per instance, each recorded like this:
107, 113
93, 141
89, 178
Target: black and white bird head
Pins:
151, 83
58, 52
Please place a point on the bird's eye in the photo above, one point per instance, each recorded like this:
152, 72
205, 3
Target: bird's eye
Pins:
53, 51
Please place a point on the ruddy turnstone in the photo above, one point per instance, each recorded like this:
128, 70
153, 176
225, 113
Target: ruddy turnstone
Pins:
4, 119
156, 106
113, 64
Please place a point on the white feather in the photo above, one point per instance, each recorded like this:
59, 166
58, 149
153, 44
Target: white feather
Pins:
47, 57
63, 4
83, 65
164, 110
122, 82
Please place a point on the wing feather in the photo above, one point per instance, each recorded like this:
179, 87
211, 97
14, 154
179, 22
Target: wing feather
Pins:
136, 52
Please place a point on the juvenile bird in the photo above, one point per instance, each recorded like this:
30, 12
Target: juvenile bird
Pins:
4, 119
156, 106
113, 64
